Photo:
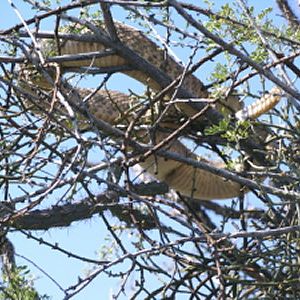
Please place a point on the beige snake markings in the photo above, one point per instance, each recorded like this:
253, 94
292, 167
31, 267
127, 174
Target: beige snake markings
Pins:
110, 105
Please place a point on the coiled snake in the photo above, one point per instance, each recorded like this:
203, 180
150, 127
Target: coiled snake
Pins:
111, 106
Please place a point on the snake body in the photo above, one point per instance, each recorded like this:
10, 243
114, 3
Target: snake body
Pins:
111, 105
144, 47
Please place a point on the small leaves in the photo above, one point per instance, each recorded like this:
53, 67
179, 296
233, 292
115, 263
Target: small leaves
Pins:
227, 131
19, 285
220, 72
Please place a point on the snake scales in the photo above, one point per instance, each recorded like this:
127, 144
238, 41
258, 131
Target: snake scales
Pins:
111, 106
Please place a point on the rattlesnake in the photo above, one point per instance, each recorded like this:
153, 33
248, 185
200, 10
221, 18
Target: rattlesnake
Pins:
111, 106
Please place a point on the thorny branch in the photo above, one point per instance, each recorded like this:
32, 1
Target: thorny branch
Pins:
54, 173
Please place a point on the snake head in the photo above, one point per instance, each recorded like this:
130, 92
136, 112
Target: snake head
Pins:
30, 77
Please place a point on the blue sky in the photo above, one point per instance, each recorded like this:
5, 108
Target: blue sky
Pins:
83, 238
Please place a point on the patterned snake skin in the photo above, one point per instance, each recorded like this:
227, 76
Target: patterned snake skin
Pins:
111, 106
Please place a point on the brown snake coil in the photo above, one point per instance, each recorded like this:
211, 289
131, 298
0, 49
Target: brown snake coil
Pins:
110, 106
